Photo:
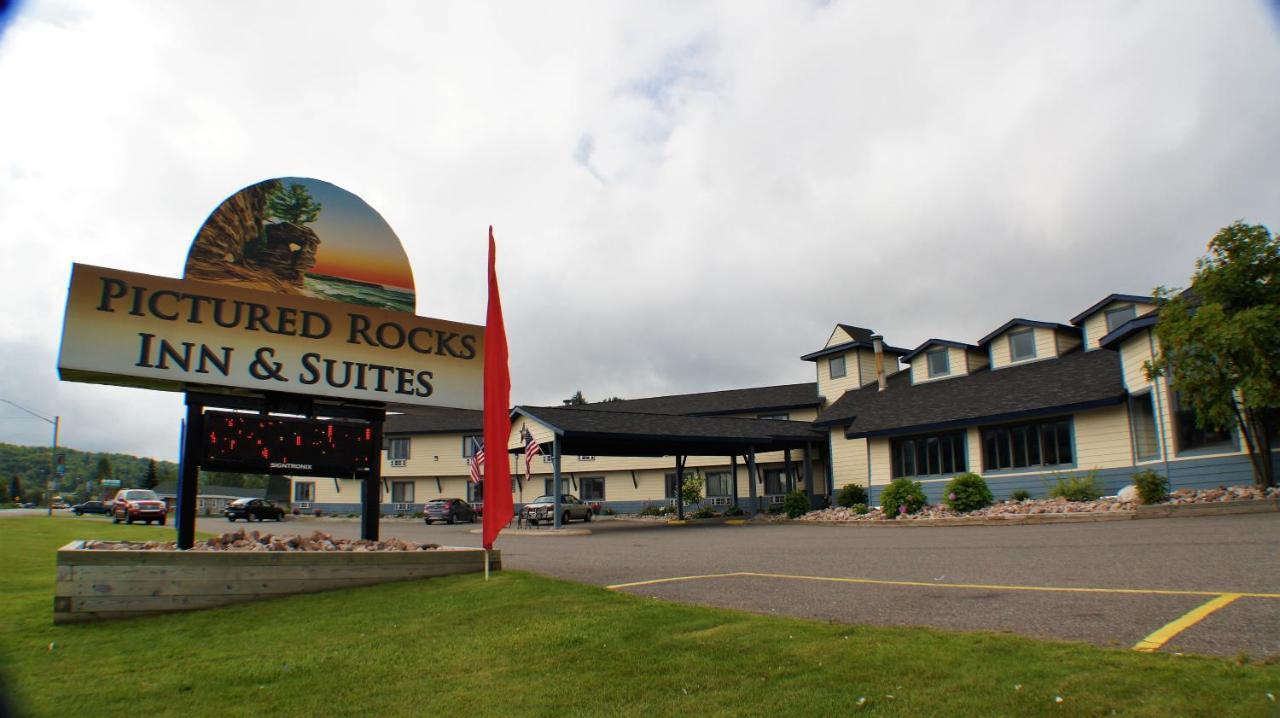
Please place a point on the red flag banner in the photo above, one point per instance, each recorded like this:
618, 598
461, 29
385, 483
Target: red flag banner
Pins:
498, 503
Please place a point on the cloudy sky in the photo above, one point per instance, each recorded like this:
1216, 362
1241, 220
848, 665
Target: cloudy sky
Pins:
687, 196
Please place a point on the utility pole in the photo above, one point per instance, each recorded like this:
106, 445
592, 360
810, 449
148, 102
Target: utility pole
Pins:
53, 450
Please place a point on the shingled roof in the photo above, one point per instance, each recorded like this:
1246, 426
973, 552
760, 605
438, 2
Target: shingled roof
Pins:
630, 433
434, 420
730, 401
1074, 382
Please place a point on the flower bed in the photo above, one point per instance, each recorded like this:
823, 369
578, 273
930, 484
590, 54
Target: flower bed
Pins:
1037, 507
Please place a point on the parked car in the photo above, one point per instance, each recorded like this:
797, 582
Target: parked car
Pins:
91, 507
138, 505
543, 509
448, 510
253, 510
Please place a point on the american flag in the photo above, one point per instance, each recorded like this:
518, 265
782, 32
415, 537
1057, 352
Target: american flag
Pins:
531, 449
477, 460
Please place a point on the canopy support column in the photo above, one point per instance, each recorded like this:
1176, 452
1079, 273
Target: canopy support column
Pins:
808, 476
751, 480
189, 474
789, 480
733, 477
680, 462
555, 473
371, 496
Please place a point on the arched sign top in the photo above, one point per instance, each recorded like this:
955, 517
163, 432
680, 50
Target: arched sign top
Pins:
304, 237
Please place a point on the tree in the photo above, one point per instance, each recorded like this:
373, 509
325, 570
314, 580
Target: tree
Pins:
15, 488
1220, 341
104, 469
691, 491
152, 478
294, 204
576, 400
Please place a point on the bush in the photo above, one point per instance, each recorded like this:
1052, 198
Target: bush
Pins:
796, 503
608, 511
902, 496
703, 513
851, 495
1077, 488
734, 511
860, 509
1152, 487
1020, 495
650, 510
967, 492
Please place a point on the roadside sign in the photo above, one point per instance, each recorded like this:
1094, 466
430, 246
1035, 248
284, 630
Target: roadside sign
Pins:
110, 483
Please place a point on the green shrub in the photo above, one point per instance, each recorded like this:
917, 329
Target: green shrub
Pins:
902, 496
1152, 487
703, 513
1020, 495
1077, 488
796, 503
650, 510
860, 509
608, 511
851, 494
734, 511
967, 492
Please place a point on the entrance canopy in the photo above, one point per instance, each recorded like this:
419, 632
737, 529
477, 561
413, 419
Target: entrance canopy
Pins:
617, 433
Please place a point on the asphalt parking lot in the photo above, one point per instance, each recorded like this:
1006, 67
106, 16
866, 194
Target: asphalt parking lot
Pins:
1111, 584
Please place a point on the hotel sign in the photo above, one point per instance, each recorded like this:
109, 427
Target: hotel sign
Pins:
261, 310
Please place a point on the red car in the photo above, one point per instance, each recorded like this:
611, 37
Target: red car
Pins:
138, 505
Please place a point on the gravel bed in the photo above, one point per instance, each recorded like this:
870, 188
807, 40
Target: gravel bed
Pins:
255, 541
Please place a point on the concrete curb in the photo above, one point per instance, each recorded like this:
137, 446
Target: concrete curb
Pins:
1158, 511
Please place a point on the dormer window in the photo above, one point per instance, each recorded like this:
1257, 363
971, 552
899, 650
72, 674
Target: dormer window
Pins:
1022, 344
939, 362
836, 365
1118, 316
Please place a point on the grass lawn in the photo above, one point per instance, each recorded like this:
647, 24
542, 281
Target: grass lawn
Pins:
526, 645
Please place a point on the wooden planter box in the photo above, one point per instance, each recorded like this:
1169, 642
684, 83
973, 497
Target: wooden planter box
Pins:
99, 584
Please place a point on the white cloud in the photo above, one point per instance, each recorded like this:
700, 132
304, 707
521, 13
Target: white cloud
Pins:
686, 196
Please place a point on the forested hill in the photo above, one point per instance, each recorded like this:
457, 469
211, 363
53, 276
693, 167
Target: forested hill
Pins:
30, 464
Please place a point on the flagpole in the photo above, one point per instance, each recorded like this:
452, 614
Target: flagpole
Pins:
486, 564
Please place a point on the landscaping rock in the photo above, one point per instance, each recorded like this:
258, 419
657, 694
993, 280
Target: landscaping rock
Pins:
254, 541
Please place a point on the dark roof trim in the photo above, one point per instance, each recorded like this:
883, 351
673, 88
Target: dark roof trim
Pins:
940, 342
524, 411
842, 348
1135, 298
1124, 331
989, 419
1019, 322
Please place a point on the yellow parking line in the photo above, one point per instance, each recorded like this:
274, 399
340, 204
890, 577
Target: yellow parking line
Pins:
1191, 618
930, 584
669, 580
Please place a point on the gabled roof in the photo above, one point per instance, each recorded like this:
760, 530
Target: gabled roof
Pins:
940, 342
1075, 381
857, 334
624, 433
1020, 322
728, 401
170, 488
434, 420
1124, 331
1135, 298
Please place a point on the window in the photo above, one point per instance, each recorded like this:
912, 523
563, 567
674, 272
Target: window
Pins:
476, 492
1142, 414
775, 417
549, 487
398, 448
930, 455
469, 443
1118, 316
304, 491
671, 486
774, 480
1022, 344
1017, 446
592, 488
718, 484
1190, 436
836, 365
939, 362
401, 492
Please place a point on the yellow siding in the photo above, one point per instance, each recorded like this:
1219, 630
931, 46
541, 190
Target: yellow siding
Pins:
849, 459
973, 435
1095, 325
919, 366
541, 433
976, 360
881, 467
1046, 347
430, 455
838, 336
1102, 438
1066, 342
1134, 351
832, 389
